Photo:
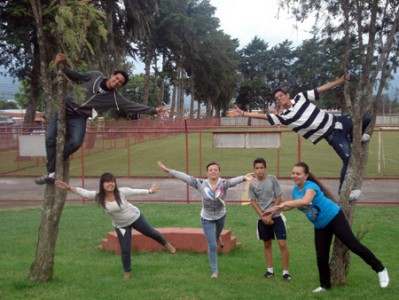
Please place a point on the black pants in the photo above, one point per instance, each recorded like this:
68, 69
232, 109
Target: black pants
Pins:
142, 226
339, 227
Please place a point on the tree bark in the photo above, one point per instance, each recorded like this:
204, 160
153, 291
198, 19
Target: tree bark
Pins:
54, 199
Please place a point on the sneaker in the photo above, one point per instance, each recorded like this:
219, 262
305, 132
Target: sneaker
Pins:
365, 137
354, 195
268, 275
319, 290
44, 179
287, 277
383, 278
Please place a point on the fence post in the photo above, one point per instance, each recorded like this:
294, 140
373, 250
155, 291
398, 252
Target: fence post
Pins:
187, 170
200, 152
128, 154
299, 148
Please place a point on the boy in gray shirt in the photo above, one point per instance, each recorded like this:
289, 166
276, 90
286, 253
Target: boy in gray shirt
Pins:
265, 194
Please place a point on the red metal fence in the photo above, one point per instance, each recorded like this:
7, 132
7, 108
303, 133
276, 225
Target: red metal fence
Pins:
131, 149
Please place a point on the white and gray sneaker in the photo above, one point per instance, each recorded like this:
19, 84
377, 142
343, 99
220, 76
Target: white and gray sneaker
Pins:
319, 290
354, 195
383, 278
365, 137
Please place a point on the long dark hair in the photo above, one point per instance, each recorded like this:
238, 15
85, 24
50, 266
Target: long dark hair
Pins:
313, 178
100, 197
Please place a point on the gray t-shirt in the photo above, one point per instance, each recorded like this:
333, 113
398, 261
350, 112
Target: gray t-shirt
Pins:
265, 192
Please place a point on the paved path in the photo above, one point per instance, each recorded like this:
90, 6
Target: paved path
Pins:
23, 192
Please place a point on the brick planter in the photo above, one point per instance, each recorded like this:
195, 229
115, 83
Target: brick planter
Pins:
184, 239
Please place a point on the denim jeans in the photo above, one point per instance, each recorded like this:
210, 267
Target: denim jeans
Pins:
142, 226
75, 131
212, 230
341, 139
339, 227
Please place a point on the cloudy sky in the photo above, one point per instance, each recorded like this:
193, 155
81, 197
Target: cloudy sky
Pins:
245, 19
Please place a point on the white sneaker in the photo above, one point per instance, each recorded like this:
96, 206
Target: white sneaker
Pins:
354, 195
320, 289
365, 137
383, 278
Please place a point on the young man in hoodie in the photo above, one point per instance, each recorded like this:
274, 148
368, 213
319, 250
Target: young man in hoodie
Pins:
96, 94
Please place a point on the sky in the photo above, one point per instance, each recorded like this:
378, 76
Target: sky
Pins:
245, 19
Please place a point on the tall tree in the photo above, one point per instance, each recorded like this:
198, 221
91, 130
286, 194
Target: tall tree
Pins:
374, 25
74, 22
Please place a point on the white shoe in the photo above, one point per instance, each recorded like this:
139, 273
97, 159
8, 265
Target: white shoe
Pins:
383, 278
319, 290
365, 137
354, 195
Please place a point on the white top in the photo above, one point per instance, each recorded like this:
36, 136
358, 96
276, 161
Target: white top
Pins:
121, 216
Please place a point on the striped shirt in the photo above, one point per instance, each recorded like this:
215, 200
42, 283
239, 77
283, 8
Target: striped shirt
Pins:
305, 118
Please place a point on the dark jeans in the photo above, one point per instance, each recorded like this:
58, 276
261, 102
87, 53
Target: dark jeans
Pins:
76, 130
339, 227
142, 226
341, 139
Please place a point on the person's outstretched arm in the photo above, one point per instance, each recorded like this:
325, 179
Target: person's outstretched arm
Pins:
65, 186
76, 190
237, 112
163, 167
330, 85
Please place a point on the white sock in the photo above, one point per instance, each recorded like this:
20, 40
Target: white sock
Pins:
51, 175
285, 272
270, 270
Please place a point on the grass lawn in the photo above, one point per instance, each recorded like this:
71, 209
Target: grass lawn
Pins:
84, 272
140, 159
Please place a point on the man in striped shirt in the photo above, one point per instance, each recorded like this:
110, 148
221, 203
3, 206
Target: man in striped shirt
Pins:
306, 119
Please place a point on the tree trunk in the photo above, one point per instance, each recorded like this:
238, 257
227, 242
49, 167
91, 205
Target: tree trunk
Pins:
148, 60
198, 109
54, 199
173, 104
192, 92
181, 94
34, 90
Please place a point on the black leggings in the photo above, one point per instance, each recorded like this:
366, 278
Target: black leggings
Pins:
339, 226
142, 226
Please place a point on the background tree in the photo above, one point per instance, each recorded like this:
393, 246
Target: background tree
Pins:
253, 90
373, 24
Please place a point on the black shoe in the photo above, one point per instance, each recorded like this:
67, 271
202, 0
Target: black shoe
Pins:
44, 179
268, 275
287, 277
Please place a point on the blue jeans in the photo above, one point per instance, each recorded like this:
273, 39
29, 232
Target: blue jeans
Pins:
142, 226
212, 230
341, 139
75, 131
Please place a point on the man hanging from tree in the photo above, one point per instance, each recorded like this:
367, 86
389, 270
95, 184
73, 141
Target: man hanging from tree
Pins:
306, 119
95, 95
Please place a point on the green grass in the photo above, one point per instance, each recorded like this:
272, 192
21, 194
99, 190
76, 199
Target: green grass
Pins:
112, 155
84, 272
